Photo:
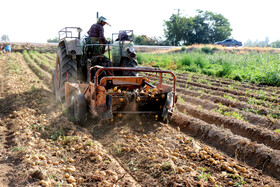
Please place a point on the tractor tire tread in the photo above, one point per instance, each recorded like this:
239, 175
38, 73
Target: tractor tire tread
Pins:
68, 70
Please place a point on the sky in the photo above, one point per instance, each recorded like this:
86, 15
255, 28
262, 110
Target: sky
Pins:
36, 21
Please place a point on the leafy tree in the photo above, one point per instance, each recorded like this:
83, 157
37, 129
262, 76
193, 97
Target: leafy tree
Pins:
275, 44
219, 26
205, 27
175, 29
145, 40
54, 40
5, 38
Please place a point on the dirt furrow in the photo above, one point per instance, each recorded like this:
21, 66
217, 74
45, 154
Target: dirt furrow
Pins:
229, 83
37, 60
232, 103
252, 153
50, 56
255, 133
263, 100
254, 114
229, 111
43, 75
240, 87
238, 93
271, 108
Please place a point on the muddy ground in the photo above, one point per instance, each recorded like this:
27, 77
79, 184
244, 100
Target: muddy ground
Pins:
212, 139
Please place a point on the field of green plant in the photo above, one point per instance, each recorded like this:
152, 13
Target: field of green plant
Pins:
255, 67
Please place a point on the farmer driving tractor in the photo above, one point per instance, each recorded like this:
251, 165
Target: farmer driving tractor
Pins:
96, 31
96, 45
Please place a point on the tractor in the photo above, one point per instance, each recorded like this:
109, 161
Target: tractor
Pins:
89, 81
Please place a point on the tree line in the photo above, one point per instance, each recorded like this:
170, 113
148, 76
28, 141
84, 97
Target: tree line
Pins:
204, 28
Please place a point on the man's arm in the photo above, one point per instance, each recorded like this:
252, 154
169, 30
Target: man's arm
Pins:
101, 35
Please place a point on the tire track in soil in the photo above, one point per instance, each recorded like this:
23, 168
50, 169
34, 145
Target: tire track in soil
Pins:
7, 161
2, 83
6, 164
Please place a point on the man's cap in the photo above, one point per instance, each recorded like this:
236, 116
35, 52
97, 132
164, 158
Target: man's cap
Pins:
101, 18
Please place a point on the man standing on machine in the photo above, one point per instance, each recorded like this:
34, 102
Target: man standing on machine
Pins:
96, 31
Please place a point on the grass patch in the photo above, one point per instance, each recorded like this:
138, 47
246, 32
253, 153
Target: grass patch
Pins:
14, 66
261, 68
181, 100
57, 134
204, 176
224, 111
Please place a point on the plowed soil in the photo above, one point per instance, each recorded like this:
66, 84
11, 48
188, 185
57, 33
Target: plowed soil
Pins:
222, 134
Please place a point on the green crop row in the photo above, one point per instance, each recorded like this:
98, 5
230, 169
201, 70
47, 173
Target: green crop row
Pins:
36, 68
254, 67
41, 60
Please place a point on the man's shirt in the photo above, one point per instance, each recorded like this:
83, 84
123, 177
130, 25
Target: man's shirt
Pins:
8, 48
97, 30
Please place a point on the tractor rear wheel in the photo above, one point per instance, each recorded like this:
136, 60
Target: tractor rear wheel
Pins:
79, 108
129, 63
66, 71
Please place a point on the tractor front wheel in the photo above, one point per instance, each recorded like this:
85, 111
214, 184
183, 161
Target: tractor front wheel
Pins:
129, 63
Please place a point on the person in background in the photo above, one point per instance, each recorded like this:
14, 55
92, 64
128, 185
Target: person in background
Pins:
3, 48
122, 36
96, 31
8, 49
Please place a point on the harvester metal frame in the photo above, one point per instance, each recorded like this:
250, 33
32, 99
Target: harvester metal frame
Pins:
67, 32
96, 95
